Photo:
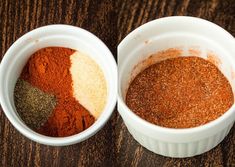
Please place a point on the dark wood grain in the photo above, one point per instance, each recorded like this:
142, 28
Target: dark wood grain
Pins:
111, 21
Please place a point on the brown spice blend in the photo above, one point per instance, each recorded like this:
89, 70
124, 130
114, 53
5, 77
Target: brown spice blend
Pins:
180, 92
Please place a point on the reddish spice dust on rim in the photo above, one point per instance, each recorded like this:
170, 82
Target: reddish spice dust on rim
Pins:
181, 92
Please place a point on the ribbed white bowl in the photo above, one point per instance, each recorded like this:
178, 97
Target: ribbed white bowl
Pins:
185, 33
175, 148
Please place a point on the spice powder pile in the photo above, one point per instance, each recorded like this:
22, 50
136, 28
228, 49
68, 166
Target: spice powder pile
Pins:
33, 105
180, 92
48, 70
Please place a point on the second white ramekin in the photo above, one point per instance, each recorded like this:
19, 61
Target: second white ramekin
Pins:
175, 32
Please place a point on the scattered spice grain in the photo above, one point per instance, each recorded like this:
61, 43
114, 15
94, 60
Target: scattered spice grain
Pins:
181, 92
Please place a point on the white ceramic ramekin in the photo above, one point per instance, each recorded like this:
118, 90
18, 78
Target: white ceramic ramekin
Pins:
63, 36
184, 33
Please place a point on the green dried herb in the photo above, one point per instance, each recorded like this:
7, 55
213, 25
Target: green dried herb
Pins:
33, 105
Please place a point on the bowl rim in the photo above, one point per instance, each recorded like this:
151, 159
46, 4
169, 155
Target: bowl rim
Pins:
59, 141
154, 127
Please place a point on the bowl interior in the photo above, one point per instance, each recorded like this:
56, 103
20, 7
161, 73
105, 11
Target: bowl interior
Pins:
62, 36
187, 37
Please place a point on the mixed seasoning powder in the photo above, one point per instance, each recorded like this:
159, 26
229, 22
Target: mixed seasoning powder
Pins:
180, 92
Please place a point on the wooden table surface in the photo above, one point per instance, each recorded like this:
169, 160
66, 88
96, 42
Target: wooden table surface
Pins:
111, 21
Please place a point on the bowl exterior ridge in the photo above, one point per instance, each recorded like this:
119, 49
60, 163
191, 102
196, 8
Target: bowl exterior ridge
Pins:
179, 150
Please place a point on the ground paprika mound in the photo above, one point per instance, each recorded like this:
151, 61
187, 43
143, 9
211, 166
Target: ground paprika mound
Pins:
48, 69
